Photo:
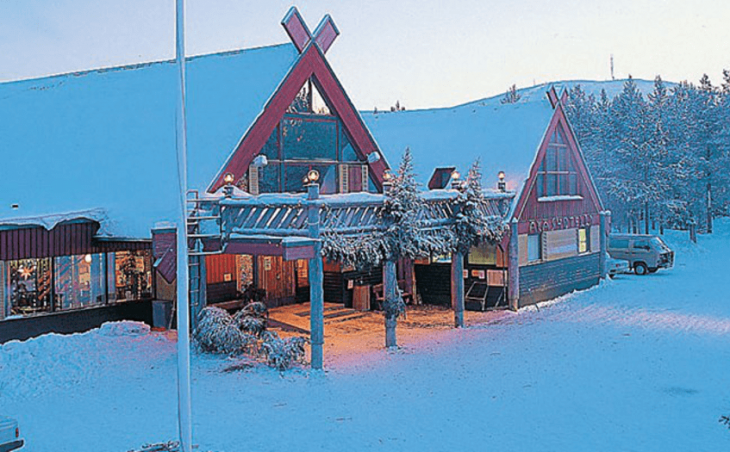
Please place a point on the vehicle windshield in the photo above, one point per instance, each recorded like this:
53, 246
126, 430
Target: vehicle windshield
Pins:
660, 243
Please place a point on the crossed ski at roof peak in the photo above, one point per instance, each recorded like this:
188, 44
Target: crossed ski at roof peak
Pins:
324, 35
554, 98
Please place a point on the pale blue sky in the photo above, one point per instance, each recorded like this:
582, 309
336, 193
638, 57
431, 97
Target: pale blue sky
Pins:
421, 53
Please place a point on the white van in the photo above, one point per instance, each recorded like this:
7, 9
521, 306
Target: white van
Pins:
645, 253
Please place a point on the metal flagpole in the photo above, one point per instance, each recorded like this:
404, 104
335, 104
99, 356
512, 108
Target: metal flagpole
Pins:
183, 302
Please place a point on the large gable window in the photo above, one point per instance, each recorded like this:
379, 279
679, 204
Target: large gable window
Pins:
557, 175
309, 136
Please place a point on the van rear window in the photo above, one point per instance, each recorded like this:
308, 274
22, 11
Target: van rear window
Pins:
618, 243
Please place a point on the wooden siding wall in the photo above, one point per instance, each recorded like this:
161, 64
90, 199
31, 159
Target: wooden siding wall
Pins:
335, 283
217, 266
548, 280
63, 240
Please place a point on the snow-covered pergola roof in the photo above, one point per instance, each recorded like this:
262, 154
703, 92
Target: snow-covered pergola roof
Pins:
105, 139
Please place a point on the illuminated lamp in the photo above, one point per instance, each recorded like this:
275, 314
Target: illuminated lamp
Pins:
501, 185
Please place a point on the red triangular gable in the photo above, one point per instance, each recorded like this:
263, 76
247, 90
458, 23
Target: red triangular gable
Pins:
311, 63
591, 201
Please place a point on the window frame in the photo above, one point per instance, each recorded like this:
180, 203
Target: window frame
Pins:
557, 174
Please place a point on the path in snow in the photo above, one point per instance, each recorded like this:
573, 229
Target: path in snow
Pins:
636, 364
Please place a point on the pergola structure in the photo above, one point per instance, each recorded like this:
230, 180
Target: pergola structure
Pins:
295, 226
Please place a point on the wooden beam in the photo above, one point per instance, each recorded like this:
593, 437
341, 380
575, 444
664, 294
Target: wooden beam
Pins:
457, 288
390, 292
316, 282
513, 267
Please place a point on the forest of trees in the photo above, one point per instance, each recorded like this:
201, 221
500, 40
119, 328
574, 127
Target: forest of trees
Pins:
660, 160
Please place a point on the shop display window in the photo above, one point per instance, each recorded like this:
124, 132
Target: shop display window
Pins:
27, 286
133, 278
78, 281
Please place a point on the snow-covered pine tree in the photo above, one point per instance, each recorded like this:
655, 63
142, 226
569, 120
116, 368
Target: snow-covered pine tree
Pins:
403, 237
640, 183
661, 166
473, 225
511, 96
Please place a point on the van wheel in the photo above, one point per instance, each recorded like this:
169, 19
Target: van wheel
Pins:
640, 268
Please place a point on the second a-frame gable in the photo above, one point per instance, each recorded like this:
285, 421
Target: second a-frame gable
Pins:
311, 65
559, 185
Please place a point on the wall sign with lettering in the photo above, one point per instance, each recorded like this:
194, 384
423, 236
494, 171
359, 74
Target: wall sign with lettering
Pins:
557, 223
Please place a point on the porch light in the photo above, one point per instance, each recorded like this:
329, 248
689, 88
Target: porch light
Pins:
387, 176
501, 185
456, 182
87, 258
312, 176
228, 178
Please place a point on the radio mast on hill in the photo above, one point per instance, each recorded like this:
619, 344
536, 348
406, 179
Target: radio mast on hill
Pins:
612, 77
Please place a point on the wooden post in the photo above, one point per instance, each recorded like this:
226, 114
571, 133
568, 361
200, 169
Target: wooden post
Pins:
603, 245
316, 280
693, 231
513, 266
390, 292
457, 288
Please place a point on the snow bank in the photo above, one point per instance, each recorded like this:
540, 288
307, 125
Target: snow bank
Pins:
124, 328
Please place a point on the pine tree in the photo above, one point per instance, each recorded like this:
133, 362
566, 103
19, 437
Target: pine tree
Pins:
403, 237
511, 96
473, 225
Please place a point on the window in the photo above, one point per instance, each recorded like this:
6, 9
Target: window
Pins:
582, 240
619, 244
78, 281
63, 283
556, 174
133, 277
309, 139
534, 248
28, 286
642, 245
309, 101
309, 136
483, 255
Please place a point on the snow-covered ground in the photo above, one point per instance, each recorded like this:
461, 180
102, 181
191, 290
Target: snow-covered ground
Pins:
636, 364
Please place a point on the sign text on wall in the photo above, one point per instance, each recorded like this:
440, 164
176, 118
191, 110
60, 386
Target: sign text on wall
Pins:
557, 223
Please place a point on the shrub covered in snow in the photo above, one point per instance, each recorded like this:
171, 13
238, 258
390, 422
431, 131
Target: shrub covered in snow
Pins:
218, 332
245, 332
282, 353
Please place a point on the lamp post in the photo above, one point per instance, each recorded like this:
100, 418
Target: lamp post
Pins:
316, 272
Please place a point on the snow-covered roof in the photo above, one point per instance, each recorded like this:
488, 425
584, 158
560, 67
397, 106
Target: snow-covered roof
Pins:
105, 139
504, 136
